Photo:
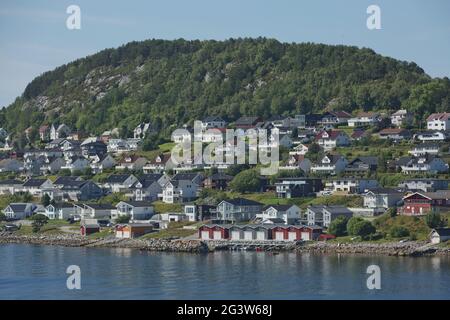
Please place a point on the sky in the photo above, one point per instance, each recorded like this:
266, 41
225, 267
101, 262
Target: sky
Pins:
34, 37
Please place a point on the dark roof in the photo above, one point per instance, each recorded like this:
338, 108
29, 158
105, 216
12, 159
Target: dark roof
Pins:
65, 179
247, 121
150, 176
383, 190
184, 176
279, 207
221, 176
98, 206
139, 203
10, 181
117, 178
212, 118
243, 202
443, 232
34, 182
372, 161
18, 207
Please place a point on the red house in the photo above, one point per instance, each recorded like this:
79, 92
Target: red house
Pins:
421, 203
214, 232
88, 229
295, 233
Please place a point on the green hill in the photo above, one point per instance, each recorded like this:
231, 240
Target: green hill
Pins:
175, 82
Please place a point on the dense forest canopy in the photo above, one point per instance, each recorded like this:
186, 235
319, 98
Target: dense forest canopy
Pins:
175, 82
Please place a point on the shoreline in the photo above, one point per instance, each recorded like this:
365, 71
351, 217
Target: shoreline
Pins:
411, 248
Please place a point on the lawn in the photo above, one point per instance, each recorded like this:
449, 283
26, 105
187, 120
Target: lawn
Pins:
161, 207
174, 230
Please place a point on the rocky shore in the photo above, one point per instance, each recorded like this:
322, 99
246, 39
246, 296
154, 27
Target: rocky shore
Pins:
73, 240
412, 248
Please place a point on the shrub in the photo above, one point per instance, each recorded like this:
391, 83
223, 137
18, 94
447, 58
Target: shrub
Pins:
357, 226
399, 232
338, 226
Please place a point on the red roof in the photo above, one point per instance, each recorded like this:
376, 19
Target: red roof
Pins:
333, 134
443, 116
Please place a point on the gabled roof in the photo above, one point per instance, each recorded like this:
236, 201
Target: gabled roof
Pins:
383, 191
118, 178
18, 207
279, 207
65, 179
184, 176
443, 232
370, 160
243, 202
34, 182
138, 204
98, 206
10, 181
442, 116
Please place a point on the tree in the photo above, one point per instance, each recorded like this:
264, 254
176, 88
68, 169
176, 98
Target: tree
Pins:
434, 220
39, 220
338, 226
398, 232
392, 212
246, 181
123, 219
2, 217
45, 200
357, 226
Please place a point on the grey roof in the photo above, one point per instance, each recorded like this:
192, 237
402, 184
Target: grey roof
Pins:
34, 182
65, 179
279, 207
372, 161
10, 181
243, 202
18, 207
139, 204
117, 178
384, 191
98, 206
221, 176
443, 232
184, 176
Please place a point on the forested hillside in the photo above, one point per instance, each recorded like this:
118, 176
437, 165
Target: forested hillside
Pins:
175, 82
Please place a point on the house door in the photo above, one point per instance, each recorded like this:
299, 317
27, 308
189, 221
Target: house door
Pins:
292, 235
235, 235
205, 235
217, 235
248, 235
279, 235
305, 236
260, 235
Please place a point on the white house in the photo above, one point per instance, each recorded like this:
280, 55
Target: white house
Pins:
182, 187
382, 198
363, 119
60, 131
142, 130
329, 164
331, 139
431, 136
36, 187
439, 121
238, 209
439, 235
96, 210
137, 210
120, 182
401, 117
351, 184
100, 163
425, 148
9, 186
19, 210
427, 163
11, 165
324, 215
61, 211
76, 164
300, 149
289, 214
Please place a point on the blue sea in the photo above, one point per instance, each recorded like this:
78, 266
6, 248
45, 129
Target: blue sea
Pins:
39, 272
